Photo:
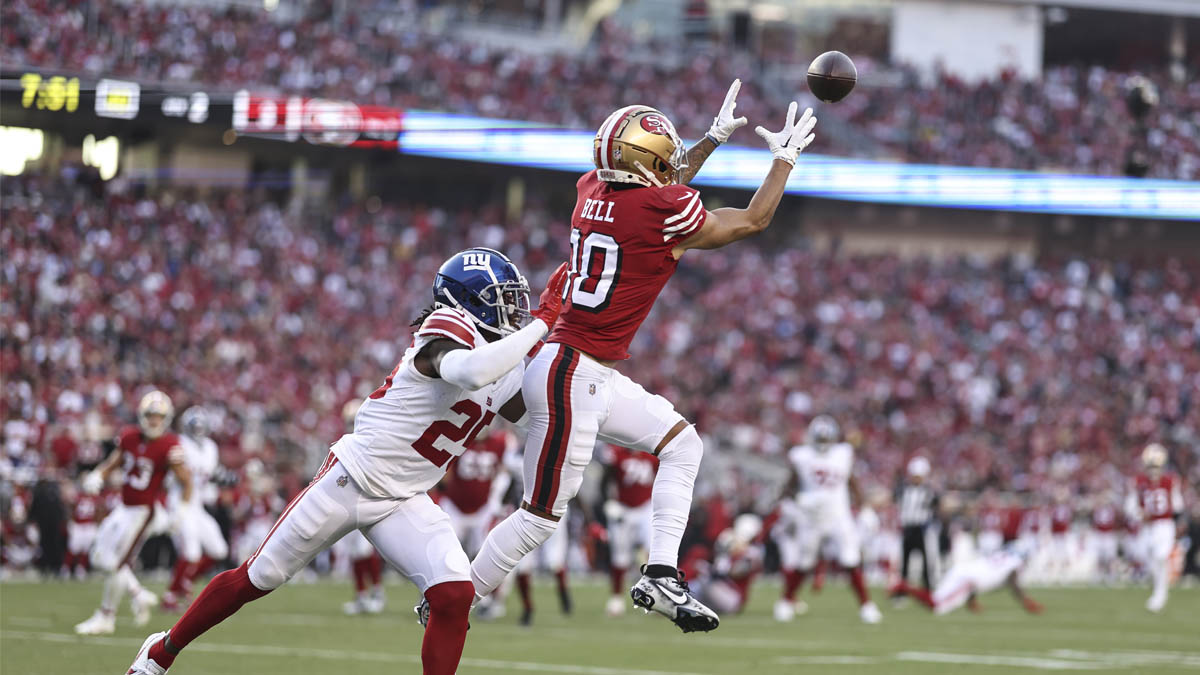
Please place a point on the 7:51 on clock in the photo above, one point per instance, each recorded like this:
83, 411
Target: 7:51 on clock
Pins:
53, 93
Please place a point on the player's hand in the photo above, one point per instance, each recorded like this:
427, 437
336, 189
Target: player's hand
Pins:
725, 123
92, 483
550, 305
795, 136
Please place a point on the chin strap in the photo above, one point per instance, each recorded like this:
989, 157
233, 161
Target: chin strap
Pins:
649, 174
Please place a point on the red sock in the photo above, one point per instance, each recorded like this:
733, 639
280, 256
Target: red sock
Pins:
617, 576
179, 576
523, 587
860, 586
220, 599
561, 575
198, 569
359, 567
792, 581
449, 607
375, 569
819, 576
920, 594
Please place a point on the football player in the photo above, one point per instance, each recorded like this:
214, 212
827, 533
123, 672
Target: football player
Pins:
463, 368
634, 217
1156, 500
963, 582
822, 470
627, 480
81, 529
146, 453
1103, 538
198, 538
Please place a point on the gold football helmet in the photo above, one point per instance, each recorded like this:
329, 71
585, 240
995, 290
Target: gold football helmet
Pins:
638, 144
154, 413
1154, 457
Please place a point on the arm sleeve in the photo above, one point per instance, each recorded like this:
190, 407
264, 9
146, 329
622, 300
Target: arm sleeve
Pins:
476, 368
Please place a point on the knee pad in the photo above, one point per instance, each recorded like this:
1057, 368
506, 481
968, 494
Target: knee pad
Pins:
532, 530
451, 596
685, 451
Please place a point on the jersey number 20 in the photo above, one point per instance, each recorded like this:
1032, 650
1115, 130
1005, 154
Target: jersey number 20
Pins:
595, 268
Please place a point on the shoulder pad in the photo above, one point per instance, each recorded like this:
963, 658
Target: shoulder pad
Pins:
454, 324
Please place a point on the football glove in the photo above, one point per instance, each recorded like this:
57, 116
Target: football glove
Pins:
92, 483
725, 123
550, 305
788, 142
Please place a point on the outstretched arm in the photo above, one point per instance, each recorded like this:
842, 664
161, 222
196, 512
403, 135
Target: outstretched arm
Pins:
725, 226
723, 125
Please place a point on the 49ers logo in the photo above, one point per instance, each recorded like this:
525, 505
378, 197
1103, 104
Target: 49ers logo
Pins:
656, 124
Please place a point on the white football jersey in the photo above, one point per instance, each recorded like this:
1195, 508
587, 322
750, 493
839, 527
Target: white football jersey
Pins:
202, 458
408, 430
824, 476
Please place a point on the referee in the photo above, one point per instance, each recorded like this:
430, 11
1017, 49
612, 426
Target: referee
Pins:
918, 504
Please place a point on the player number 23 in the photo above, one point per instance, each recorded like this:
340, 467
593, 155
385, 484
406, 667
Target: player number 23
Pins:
595, 268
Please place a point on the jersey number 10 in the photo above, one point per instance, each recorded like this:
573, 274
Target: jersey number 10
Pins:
595, 268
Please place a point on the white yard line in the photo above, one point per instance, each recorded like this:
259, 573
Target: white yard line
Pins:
336, 654
998, 660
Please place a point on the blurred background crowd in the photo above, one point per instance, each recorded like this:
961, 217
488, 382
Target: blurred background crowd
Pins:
1074, 118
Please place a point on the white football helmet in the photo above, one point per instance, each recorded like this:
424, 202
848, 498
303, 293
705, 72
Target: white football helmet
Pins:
823, 430
155, 412
195, 422
1154, 457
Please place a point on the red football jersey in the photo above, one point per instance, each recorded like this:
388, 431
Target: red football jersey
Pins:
634, 472
1104, 518
621, 241
87, 508
145, 462
1159, 497
469, 477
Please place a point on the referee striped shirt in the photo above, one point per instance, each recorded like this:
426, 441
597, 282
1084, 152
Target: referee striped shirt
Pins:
916, 505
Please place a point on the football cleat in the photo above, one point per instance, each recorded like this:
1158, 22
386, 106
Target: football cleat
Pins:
422, 612
140, 604
869, 613
1156, 603
671, 598
100, 623
786, 610
615, 606
489, 609
143, 664
354, 607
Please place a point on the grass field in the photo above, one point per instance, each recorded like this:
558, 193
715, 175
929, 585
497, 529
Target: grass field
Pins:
300, 630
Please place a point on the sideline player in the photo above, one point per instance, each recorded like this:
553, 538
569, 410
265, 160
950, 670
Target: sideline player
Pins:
463, 368
1157, 501
198, 538
634, 218
146, 453
963, 582
1103, 537
81, 529
627, 481
823, 470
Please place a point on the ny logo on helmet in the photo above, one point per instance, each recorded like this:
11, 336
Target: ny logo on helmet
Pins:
477, 261
656, 124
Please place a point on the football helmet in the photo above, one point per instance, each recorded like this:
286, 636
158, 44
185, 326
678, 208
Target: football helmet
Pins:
1154, 457
349, 412
155, 412
918, 467
486, 285
823, 430
195, 422
638, 144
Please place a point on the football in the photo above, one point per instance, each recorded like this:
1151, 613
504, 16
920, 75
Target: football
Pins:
831, 76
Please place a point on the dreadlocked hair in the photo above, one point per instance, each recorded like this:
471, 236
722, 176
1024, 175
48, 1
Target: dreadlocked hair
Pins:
424, 315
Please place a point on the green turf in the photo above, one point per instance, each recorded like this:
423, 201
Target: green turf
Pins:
300, 630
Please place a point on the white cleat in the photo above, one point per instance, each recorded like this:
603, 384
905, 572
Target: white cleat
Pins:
784, 610
1156, 603
869, 613
99, 623
374, 603
671, 598
615, 606
143, 664
355, 607
141, 604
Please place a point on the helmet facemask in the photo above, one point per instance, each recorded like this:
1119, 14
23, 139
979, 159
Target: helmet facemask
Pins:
507, 302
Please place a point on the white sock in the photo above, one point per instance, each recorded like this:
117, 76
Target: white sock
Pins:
114, 590
1160, 578
131, 582
504, 547
671, 499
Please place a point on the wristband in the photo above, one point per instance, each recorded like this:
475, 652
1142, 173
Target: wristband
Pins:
712, 138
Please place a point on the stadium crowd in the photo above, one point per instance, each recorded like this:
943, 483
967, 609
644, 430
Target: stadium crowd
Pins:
1024, 375
1073, 119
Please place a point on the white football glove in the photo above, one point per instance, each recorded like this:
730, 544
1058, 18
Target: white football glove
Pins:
92, 483
725, 123
796, 134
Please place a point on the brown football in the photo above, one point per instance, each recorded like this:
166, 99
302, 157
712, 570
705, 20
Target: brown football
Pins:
832, 76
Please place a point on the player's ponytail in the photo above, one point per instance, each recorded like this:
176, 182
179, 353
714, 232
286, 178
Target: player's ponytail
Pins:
424, 315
